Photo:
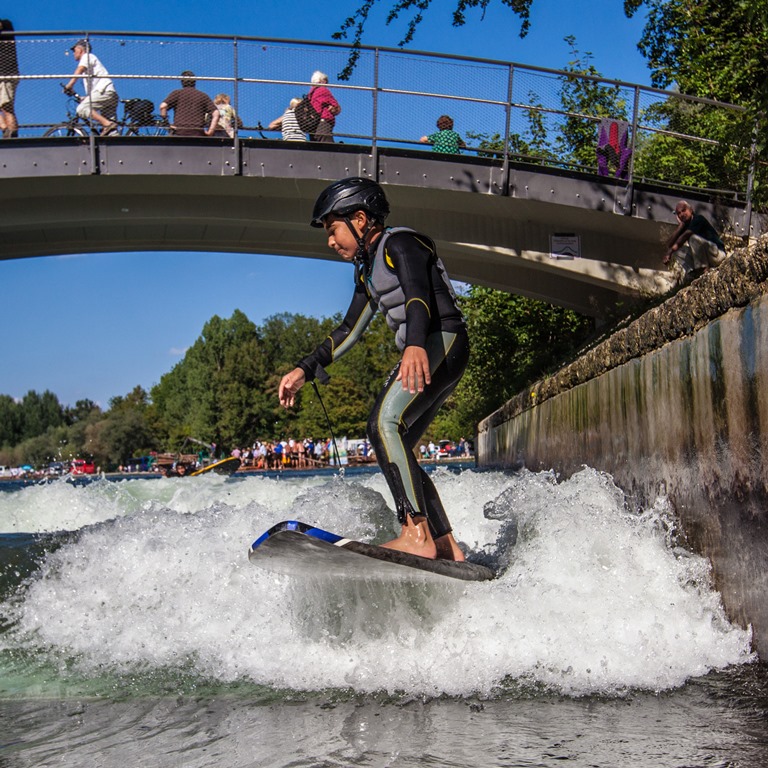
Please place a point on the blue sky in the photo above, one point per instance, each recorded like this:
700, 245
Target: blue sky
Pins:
94, 326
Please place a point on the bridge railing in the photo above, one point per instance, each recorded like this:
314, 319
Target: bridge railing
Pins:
505, 111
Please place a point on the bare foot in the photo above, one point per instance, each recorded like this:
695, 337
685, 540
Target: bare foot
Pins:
414, 538
448, 549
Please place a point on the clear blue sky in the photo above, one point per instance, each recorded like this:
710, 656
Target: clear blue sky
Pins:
95, 326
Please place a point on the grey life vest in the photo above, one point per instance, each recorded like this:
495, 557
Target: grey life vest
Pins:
384, 285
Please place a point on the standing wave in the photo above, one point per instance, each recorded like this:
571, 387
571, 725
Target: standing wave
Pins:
591, 598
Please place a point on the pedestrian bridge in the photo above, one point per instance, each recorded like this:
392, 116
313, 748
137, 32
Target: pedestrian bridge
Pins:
537, 225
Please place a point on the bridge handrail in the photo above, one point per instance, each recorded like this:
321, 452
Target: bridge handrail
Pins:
484, 99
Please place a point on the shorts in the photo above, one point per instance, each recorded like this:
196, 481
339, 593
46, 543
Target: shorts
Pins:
104, 102
7, 94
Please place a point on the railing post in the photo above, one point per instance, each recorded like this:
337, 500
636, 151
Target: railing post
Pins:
92, 134
235, 97
630, 196
507, 125
751, 179
375, 117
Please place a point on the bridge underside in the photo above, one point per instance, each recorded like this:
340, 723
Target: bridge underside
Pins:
494, 226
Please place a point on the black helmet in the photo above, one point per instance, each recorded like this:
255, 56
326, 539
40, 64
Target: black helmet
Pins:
349, 195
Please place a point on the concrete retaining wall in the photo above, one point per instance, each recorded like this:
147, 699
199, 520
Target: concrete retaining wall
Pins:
676, 402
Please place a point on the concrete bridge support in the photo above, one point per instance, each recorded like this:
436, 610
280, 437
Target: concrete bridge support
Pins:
675, 403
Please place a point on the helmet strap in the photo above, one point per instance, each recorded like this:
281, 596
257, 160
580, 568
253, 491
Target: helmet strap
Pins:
362, 249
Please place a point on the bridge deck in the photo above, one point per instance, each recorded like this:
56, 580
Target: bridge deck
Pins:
202, 194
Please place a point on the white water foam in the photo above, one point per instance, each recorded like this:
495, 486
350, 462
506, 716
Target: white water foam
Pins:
592, 599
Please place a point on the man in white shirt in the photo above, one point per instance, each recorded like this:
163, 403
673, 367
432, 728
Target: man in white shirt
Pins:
100, 102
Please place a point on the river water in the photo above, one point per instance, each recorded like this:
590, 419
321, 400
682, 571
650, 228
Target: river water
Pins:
135, 631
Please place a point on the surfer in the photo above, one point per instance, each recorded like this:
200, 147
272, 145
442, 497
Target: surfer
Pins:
398, 272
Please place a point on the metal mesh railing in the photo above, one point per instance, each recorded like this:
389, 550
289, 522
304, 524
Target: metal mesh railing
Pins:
506, 111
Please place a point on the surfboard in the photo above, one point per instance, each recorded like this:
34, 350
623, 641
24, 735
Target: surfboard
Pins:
297, 548
226, 466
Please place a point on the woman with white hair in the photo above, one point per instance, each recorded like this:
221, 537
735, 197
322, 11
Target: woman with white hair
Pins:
288, 124
325, 105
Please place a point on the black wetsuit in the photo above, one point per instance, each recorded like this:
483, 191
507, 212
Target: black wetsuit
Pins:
403, 277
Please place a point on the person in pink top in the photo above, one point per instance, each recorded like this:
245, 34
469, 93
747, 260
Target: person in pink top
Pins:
325, 105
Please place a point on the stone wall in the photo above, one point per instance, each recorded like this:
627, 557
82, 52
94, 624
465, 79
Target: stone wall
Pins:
676, 402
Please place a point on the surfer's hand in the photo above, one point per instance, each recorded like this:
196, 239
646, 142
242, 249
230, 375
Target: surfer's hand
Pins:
414, 369
290, 384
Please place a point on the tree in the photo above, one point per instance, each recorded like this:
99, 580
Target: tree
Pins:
577, 137
125, 430
532, 146
514, 341
84, 410
39, 413
713, 50
566, 140
10, 421
708, 48
417, 9
207, 394
356, 379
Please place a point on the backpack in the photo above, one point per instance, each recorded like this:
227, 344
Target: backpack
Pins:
140, 111
307, 116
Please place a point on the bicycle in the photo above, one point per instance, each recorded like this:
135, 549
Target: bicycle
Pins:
138, 120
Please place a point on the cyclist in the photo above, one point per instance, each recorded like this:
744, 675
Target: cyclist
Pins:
397, 270
100, 102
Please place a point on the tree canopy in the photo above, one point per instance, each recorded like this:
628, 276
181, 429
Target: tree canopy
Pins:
414, 11
224, 390
707, 48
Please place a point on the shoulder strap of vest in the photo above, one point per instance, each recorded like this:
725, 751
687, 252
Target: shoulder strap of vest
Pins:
395, 230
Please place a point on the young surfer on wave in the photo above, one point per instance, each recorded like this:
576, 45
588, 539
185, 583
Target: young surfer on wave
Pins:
398, 272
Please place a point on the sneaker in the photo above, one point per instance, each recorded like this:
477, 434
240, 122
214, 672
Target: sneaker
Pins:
110, 130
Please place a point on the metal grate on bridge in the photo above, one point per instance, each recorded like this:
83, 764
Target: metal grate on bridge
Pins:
501, 110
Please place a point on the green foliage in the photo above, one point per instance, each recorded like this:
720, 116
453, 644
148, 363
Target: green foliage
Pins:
10, 421
125, 431
532, 146
416, 8
708, 48
224, 390
565, 140
37, 429
713, 50
577, 136
31, 417
514, 341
